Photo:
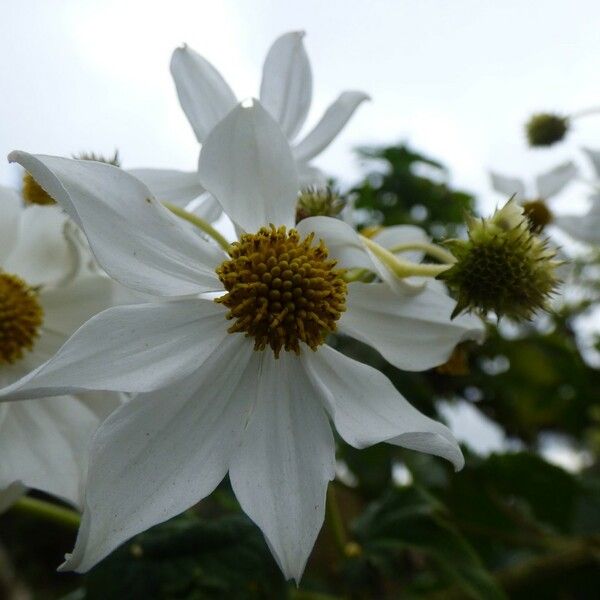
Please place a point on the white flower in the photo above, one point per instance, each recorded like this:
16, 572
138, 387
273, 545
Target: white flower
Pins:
586, 228
211, 403
547, 185
285, 91
43, 444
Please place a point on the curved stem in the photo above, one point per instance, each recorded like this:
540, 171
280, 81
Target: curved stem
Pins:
199, 223
47, 511
431, 249
593, 110
402, 268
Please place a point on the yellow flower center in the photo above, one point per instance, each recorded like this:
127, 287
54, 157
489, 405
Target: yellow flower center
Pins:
34, 193
282, 290
21, 316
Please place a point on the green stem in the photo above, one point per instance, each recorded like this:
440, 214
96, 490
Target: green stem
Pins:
333, 518
199, 223
402, 268
431, 249
593, 110
47, 511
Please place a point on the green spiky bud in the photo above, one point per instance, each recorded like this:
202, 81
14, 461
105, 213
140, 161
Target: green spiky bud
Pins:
545, 129
318, 202
502, 267
115, 160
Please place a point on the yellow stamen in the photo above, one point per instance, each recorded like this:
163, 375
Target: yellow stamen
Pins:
282, 290
21, 316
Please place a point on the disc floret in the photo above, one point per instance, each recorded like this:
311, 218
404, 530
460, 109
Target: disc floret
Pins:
21, 316
503, 267
282, 289
545, 129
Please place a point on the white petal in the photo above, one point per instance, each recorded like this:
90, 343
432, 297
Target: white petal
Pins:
178, 187
10, 208
203, 93
9, 495
137, 241
286, 88
330, 125
508, 186
342, 241
163, 452
310, 176
594, 156
412, 331
43, 254
367, 409
348, 248
246, 163
44, 445
66, 308
206, 207
551, 183
584, 228
390, 237
137, 348
280, 472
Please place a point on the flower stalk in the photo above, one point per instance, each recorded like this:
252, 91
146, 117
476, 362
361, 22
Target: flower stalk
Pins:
47, 511
430, 249
402, 268
199, 223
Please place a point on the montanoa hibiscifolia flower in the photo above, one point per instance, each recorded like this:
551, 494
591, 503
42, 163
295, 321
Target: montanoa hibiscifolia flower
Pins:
242, 382
43, 299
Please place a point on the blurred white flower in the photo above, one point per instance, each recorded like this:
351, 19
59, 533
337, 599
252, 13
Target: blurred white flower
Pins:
285, 91
535, 204
586, 228
210, 403
547, 185
43, 299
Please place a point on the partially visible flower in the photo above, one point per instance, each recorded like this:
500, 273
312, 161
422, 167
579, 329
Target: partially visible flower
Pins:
586, 228
502, 267
545, 129
547, 186
43, 444
245, 385
285, 92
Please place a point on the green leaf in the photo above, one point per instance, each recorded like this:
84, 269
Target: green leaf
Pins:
408, 522
193, 559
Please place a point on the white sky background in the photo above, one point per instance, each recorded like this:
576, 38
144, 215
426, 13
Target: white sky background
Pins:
455, 78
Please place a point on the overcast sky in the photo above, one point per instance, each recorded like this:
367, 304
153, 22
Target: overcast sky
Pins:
455, 78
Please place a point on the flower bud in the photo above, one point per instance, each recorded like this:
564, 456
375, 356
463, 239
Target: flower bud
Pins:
545, 129
502, 267
318, 202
